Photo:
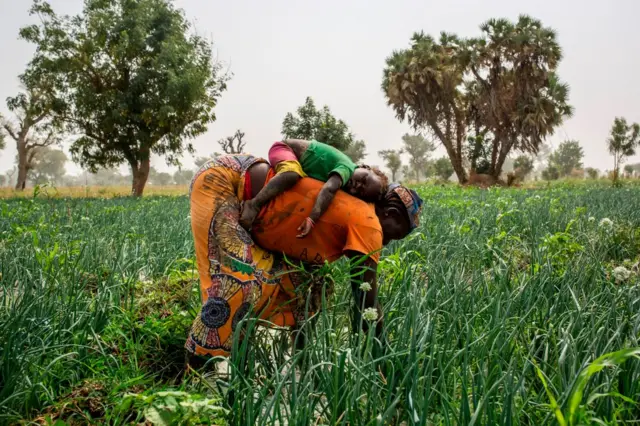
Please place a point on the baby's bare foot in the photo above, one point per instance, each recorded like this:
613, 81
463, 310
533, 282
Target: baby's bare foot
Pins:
248, 214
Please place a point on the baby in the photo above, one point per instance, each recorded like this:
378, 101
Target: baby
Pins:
294, 159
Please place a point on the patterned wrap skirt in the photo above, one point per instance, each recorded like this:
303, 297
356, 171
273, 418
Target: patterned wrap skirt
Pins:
237, 278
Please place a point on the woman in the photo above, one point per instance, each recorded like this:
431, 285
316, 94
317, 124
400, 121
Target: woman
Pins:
238, 277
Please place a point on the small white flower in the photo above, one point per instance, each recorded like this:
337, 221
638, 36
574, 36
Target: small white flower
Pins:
592, 219
606, 223
365, 286
621, 273
370, 314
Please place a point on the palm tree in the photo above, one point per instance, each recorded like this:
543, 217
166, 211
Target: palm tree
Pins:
423, 84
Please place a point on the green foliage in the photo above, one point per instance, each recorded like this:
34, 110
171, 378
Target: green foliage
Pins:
592, 173
551, 173
443, 86
47, 165
129, 78
443, 168
392, 161
622, 142
97, 297
419, 149
169, 408
523, 166
567, 157
310, 123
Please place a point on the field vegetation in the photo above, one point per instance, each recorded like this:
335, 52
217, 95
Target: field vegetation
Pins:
507, 306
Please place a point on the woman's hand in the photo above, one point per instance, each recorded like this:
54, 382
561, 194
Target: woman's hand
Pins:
305, 227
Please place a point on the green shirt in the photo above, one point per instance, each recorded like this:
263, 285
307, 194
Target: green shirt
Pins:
321, 160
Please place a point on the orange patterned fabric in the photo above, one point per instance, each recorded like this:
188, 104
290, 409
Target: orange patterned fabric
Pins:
349, 224
236, 276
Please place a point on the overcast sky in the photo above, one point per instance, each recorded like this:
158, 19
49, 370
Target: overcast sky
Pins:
282, 51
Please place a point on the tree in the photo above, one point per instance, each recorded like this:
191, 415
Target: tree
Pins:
551, 173
131, 80
10, 173
47, 165
443, 168
628, 170
356, 151
106, 177
501, 87
33, 127
392, 161
319, 124
159, 178
523, 166
233, 144
419, 149
622, 142
592, 173
567, 157
183, 176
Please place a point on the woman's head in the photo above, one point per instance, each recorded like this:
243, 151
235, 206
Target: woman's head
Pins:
368, 183
398, 212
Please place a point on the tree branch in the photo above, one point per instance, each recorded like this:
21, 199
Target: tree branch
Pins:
9, 130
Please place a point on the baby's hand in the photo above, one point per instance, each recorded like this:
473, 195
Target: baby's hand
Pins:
305, 227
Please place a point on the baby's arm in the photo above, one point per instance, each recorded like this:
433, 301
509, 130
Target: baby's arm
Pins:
325, 196
328, 191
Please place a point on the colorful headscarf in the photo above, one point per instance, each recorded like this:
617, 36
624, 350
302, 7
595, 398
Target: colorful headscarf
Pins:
411, 201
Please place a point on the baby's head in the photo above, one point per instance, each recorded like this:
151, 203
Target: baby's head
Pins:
368, 183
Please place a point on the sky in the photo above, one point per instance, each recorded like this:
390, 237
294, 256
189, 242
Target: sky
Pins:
281, 51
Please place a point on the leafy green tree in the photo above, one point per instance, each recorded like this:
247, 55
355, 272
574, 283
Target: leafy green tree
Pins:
567, 157
183, 177
48, 165
502, 85
131, 78
32, 127
356, 151
622, 142
392, 161
310, 122
551, 173
443, 168
419, 149
592, 173
628, 170
523, 166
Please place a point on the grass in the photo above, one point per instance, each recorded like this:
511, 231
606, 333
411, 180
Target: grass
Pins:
47, 191
502, 308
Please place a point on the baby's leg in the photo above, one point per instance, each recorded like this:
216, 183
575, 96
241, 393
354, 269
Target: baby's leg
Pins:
288, 172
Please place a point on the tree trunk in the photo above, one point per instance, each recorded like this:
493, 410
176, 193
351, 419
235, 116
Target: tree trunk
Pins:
393, 175
21, 181
140, 174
